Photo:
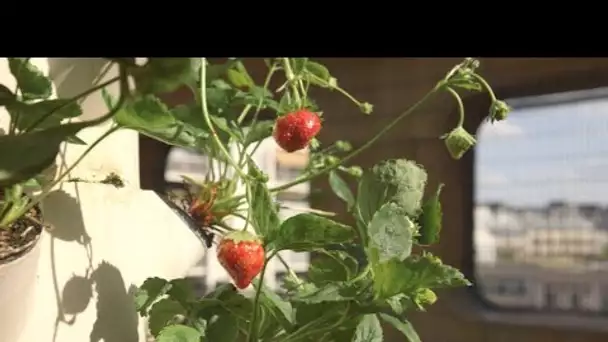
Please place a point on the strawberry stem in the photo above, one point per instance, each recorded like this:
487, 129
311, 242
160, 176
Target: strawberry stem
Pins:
252, 335
216, 138
371, 141
458, 99
291, 78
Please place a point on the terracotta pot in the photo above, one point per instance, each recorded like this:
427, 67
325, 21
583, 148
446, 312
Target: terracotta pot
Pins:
17, 284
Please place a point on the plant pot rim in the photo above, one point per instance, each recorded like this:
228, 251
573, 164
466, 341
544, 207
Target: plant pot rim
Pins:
22, 252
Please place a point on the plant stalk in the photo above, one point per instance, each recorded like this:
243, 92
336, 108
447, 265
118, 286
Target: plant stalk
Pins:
251, 337
214, 134
291, 80
370, 142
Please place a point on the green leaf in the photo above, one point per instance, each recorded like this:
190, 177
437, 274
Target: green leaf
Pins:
223, 298
222, 290
404, 326
400, 303
237, 79
369, 330
164, 313
395, 180
216, 71
256, 97
417, 271
222, 327
292, 283
25, 115
305, 231
298, 65
222, 124
26, 155
275, 313
429, 271
182, 291
332, 292
267, 324
392, 278
390, 234
161, 75
332, 266
146, 111
306, 313
341, 189
219, 98
465, 81
149, 292
324, 317
34, 85
317, 69
179, 333
33, 183
6, 96
238, 75
430, 219
280, 308
149, 116
264, 214
346, 331
260, 131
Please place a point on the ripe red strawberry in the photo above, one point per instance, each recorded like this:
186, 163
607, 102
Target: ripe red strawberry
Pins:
242, 256
294, 131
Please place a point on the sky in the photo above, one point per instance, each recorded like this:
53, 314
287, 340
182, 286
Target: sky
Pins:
557, 152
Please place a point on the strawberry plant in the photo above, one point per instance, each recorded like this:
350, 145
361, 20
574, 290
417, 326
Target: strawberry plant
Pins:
38, 125
361, 275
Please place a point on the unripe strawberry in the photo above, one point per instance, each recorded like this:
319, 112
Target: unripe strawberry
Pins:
242, 256
294, 131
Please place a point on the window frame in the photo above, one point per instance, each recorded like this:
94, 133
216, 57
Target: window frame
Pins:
469, 302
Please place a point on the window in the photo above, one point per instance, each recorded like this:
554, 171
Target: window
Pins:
281, 168
541, 203
511, 287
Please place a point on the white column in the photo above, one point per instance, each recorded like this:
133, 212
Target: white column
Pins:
133, 234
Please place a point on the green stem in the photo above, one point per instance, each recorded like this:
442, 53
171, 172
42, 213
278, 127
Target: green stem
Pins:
124, 90
48, 189
363, 274
485, 85
70, 101
271, 72
288, 269
360, 149
224, 226
305, 330
208, 119
211, 168
249, 201
256, 300
458, 99
291, 77
339, 89
242, 217
387, 128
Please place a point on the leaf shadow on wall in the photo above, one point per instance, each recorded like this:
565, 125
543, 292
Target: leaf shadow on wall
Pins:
116, 319
116, 313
